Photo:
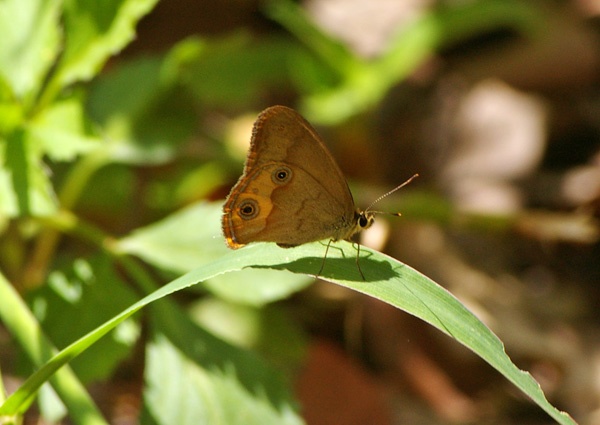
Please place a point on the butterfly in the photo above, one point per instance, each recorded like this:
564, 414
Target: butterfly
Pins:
291, 191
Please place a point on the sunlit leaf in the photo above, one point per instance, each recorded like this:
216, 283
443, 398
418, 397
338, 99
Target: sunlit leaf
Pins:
94, 31
30, 43
62, 130
25, 329
385, 279
192, 237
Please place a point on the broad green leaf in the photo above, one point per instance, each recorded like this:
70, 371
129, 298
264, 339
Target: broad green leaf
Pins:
269, 330
252, 375
189, 238
62, 131
257, 287
386, 279
30, 43
144, 116
180, 242
180, 391
94, 31
125, 90
109, 191
232, 70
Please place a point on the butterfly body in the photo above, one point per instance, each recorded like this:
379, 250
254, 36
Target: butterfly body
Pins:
291, 191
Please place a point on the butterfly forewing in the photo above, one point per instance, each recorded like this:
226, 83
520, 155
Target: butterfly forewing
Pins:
292, 191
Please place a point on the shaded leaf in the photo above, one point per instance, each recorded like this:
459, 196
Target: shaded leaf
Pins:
183, 392
144, 116
269, 330
80, 290
232, 70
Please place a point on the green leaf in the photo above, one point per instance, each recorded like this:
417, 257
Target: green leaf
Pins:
252, 376
125, 90
269, 330
144, 116
386, 279
11, 116
232, 70
181, 391
94, 31
192, 237
30, 43
8, 197
23, 326
180, 242
257, 287
82, 287
62, 130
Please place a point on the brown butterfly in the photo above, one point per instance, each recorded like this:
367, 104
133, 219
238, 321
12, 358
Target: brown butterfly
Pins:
291, 191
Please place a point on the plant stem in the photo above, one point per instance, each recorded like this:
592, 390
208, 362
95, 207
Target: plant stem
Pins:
45, 245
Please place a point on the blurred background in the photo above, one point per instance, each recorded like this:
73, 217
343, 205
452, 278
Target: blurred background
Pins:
496, 104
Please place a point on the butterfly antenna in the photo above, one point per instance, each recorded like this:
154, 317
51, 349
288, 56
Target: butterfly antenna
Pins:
389, 193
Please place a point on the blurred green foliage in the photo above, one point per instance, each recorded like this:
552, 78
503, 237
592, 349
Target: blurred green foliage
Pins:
79, 147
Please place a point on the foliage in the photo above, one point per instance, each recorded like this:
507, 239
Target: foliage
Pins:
73, 144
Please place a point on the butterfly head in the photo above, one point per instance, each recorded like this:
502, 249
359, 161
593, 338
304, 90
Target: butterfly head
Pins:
364, 219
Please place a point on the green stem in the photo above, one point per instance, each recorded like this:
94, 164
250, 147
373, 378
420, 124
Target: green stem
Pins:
69, 223
45, 246
79, 177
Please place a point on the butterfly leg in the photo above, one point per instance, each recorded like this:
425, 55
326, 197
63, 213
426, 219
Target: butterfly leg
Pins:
324, 257
357, 259
358, 262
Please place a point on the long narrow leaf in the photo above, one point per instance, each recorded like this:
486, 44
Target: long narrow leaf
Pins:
386, 279
17, 317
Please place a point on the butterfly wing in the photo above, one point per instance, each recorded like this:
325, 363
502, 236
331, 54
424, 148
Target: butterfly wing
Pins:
292, 191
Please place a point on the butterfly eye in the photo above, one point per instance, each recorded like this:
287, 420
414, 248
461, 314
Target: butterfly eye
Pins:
365, 221
248, 209
281, 175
